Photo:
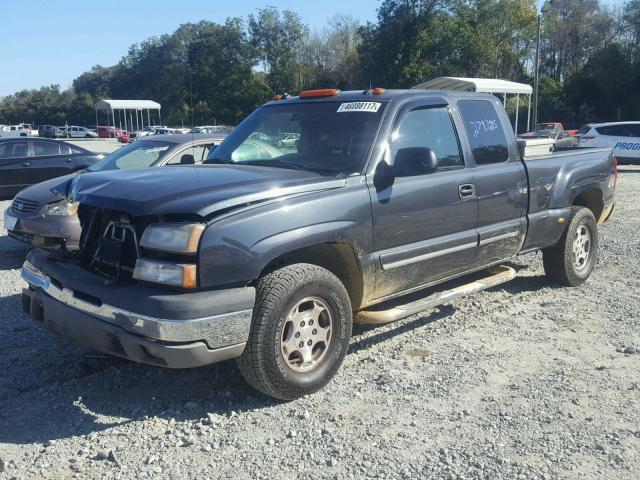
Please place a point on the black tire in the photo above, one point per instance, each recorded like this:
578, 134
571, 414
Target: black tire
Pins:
262, 363
87, 136
558, 260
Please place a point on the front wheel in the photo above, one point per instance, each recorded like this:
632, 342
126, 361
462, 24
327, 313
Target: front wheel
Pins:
300, 331
571, 261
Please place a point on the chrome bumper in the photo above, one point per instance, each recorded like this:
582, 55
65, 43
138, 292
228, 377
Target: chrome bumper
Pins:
217, 331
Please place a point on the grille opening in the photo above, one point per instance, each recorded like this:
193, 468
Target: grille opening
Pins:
56, 283
109, 243
22, 205
85, 297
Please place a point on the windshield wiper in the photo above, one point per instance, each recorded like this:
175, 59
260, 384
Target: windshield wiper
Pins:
293, 166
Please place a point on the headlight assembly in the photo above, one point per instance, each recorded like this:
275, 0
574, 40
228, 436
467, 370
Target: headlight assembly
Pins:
167, 273
173, 237
62, 208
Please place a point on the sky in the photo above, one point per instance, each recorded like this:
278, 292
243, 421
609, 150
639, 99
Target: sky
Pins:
45, 42
54, 42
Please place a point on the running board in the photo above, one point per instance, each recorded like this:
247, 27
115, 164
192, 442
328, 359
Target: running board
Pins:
497, 275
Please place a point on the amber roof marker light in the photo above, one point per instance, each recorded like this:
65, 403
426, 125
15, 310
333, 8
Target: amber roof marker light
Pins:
324, 92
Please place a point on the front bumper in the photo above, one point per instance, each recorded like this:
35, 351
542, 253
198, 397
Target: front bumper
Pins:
141, 323
65, 228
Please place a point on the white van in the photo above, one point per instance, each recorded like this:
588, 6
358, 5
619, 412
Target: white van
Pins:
623, 137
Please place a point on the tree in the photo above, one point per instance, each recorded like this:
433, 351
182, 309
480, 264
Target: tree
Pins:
330, 58
573, 30
220, 59
279, 39
390, 48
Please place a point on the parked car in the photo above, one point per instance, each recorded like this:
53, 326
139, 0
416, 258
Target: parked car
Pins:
51, 131
289, 140
167, 131
622, 137
109, 132
219, 129
44, 131
549, 126
26, 161
74, 131
387, 195
560, 137
21, 130
37, 211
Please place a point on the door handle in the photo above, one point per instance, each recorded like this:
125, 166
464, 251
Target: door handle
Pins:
25, 164
468, 190
68, 160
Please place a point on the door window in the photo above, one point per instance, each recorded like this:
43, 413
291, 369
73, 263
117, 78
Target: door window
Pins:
199, 153
45, 148
13, 149
615, 131
635, 129
431, 128
484, 129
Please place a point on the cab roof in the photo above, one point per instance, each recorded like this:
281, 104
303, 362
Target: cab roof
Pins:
391, 95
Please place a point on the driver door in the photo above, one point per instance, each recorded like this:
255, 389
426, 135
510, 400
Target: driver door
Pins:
425, 224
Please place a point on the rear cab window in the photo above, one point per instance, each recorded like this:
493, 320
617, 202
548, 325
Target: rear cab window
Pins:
484, 129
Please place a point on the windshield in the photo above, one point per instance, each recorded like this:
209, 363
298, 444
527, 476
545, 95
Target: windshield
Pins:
584, 129
327, 137
547, 133
141, 154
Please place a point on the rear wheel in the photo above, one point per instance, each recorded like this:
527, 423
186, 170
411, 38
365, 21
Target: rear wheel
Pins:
571, 261
300, 332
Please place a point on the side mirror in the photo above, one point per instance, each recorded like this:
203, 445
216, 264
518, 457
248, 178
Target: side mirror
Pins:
413, 161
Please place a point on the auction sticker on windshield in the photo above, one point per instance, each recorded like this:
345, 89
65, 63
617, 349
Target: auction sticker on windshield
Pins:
359, 107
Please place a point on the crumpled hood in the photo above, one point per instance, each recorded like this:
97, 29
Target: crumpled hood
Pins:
202, 190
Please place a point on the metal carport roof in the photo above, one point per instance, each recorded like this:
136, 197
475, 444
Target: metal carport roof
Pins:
484, 85
127, 105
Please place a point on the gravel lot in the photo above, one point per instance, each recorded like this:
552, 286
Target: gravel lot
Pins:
525, 381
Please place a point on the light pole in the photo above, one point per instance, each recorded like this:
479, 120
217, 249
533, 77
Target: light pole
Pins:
536, 77
536, 72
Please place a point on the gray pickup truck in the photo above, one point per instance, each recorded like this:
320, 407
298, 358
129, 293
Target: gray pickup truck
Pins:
379, 205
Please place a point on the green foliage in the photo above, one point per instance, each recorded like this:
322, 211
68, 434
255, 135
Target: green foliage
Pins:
279, 39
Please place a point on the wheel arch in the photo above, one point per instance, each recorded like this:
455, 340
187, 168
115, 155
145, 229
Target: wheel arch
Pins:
339, 258
592, 199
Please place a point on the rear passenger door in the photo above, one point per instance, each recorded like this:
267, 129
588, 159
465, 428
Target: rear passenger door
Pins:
500, 179
50, 159
424, 224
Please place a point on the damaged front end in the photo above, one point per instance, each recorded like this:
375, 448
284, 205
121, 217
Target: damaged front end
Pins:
159, 249
109, 242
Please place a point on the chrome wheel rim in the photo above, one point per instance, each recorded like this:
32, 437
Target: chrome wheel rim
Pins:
306, 334
581, 247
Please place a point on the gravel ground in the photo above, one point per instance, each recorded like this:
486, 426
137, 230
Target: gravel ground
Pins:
525, 381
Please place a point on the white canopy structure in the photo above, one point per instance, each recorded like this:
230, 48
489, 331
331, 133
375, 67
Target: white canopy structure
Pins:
118, 110
484, 85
